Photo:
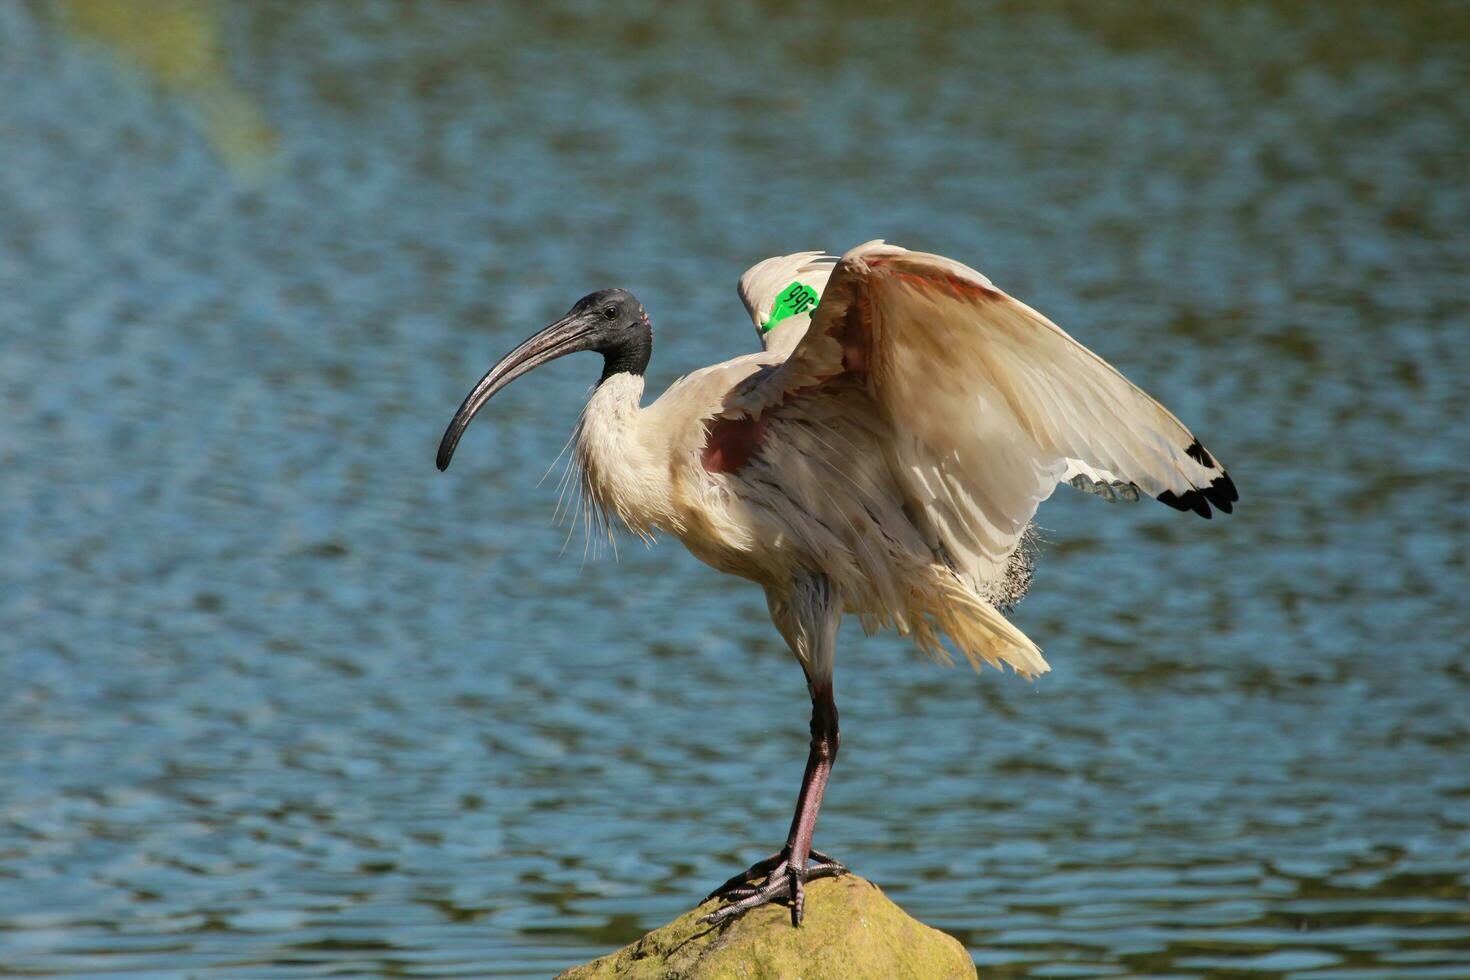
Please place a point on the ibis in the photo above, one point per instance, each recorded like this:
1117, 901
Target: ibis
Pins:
882, 455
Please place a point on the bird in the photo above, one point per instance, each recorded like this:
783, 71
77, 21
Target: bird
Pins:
882, 455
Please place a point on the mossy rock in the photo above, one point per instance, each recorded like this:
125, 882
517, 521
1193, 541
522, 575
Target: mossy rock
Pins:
851, 932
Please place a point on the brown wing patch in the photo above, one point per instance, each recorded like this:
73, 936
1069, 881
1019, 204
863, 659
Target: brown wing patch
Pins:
931, 279
961, 286
729, 443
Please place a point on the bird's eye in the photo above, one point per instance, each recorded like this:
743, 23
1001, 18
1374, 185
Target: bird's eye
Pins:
610, 313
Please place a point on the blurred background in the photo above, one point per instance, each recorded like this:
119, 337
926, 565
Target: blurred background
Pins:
279, 700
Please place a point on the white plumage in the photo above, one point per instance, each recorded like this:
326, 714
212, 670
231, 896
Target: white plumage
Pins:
883, 455
905, 435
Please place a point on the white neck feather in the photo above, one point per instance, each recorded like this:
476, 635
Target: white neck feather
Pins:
624, 472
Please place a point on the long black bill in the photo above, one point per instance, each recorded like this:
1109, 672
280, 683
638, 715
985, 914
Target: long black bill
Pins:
566, 336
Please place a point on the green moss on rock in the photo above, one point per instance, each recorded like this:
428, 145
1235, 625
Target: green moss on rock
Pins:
851, 932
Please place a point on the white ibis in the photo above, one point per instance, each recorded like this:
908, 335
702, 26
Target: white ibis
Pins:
883, 456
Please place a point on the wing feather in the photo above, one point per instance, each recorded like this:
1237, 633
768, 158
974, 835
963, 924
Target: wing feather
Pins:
990, 404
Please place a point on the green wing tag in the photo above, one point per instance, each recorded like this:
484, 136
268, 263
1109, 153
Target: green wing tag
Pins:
795, 299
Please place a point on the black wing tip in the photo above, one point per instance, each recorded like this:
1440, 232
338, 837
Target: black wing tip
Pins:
1186, 501
1228, 485
1200, 454
1221, 492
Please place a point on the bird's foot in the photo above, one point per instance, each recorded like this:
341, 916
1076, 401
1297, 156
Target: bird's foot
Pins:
769, 880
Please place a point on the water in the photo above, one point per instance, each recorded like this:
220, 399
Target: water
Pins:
281, 700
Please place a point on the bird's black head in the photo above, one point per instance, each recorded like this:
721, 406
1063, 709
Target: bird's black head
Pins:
620, 329
610, 321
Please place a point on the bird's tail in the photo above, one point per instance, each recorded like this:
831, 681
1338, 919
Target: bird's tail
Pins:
978, 629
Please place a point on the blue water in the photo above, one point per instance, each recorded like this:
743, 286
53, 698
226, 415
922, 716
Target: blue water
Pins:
277, 699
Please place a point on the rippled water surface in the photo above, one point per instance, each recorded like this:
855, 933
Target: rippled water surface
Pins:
279, 700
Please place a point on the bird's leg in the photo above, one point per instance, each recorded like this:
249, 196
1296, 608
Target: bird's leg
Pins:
825, 740
807, 616
785, 874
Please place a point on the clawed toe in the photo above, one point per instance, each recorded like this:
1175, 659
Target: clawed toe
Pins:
769, 880
740, 882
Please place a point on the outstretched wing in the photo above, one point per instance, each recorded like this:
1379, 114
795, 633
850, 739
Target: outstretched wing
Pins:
990, 404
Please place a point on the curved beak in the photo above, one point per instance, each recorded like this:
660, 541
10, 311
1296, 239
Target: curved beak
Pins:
566, 336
